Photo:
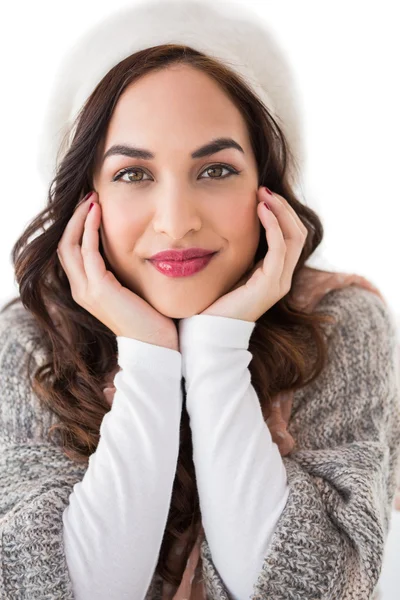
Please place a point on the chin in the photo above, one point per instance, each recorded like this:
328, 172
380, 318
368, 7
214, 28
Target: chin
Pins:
178, 314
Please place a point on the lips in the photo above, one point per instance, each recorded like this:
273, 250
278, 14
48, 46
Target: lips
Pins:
181, 254
182, 268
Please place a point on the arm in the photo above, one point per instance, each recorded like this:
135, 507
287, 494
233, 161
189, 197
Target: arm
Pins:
329, 540
80, 533
239, 470
115, 521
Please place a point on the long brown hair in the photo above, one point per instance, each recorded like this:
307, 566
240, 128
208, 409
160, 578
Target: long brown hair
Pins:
70, 383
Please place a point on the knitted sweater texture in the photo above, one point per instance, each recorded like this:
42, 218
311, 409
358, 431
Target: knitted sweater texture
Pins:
329, 541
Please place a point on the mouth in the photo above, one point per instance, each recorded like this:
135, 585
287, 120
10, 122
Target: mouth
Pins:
183, 268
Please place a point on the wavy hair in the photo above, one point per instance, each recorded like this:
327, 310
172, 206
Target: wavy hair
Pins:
70, 383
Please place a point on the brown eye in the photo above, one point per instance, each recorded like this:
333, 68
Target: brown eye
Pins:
133, 172
217, 169
129, 171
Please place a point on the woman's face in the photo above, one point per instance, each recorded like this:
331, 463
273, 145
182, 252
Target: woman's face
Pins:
177, 200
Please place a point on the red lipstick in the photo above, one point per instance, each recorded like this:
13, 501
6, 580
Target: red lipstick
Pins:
182, 268
181, 253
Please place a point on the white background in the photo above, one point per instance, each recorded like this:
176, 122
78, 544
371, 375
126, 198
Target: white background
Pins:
345, 55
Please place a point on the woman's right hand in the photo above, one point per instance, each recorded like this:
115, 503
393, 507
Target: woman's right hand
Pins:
98, 291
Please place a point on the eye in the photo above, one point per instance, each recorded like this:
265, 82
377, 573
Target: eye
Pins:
231, 171
128, 170
215, 167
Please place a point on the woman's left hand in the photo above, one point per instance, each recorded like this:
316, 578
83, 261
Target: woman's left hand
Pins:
271, 278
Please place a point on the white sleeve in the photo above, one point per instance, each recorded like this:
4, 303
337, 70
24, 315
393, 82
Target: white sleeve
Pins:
240, 474
115, 521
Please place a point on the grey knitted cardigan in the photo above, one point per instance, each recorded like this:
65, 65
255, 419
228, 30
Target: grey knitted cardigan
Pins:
329, 541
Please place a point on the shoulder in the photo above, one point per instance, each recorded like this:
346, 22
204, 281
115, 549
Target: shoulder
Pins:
360, 313
19, 335
22, 416
363, 348
359, 388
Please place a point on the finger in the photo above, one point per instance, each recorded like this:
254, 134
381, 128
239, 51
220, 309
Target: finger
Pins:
84, 199
274, 260
287, 216
290, 208
60, 259
292, 257
93, 261
69, 249
293, 241
294, 237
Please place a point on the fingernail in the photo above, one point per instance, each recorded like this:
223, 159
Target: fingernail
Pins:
91, 204
267, 205
87, 196
268, 190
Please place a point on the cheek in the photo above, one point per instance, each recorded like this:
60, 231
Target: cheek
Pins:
242, 222
120, 229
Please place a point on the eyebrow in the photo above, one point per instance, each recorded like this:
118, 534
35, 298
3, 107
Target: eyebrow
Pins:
210, 148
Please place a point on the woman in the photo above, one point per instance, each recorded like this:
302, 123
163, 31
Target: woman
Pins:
168, 491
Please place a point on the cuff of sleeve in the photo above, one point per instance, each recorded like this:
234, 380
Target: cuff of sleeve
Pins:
219, 331
165, 361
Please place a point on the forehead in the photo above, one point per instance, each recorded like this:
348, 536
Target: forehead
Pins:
181, 101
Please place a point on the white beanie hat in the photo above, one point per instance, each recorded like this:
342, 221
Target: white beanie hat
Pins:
220, 29
226, 31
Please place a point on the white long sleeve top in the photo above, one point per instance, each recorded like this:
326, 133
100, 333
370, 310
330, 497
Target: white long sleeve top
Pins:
115, 520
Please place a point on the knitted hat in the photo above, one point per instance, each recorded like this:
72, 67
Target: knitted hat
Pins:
221, 29
224, 30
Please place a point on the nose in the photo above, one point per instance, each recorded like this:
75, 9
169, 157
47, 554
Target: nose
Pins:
176, 215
